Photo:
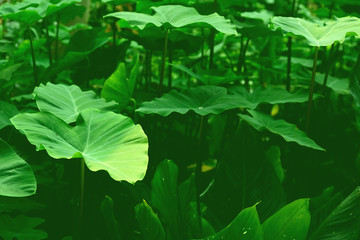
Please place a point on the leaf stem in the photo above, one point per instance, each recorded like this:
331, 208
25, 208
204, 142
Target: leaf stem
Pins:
33, 56
170, 64
198, 168
81, 209
162, 73
57, 37
113, 27
288, 78
212, 46
311, 92
48, 44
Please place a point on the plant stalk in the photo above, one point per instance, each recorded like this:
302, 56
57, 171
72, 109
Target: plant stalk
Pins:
162, 73
33, 56
170, 68
57, 38
311, 92
198, 168
113, 27
212, 46
48, 42
81, 205
288, 78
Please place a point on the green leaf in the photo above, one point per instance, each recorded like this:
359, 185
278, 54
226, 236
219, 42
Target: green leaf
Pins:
164, 197
150, 225
176, 16
119, 87
246, 225
334, 30
269, 95
106, 141
107, 210
286, 130
273, 154
66, 102
290, 222
7, 111
81, 44
21, 228
338, 85
343, 222
202, 100
16, 176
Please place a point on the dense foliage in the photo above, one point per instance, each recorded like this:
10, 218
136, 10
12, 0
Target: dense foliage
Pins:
154, 120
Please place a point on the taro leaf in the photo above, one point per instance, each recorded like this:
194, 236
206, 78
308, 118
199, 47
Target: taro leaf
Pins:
8, 72
119, 87
354, 85
273, 155
8, 204
150, 225
202, 100
286, 130
176, 16
164, 198
81, 44
245, 226
21, 228
209, 78
16, 12
7, 111
61, 6
343, 222
107, 210
66, 102
290, 222
270, 95
338, 85
106, 141
334, 30
16, 176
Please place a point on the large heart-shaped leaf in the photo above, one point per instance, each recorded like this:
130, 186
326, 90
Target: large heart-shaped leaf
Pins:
343, 222
7, 111
176, 16
286, 130
16, 176
21, 227
290, 222
106, 141
334, 30
66, 102
245, 226
202, 100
